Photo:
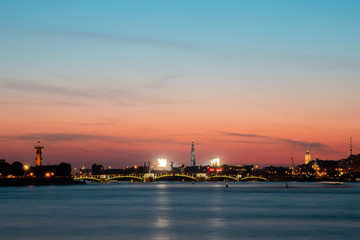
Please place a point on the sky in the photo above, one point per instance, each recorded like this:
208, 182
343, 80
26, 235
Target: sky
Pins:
120, 83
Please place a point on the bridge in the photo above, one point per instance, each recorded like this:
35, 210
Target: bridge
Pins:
152, 177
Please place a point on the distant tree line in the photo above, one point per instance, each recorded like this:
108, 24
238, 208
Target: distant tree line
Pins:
17, 169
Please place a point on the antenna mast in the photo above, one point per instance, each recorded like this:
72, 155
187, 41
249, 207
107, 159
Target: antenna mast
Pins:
350, 146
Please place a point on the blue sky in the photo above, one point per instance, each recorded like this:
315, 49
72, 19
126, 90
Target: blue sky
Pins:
234, 30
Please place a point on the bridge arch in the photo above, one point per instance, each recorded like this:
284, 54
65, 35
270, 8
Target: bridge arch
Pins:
89, 178
253, 178
221, 178
174, 177
125, 178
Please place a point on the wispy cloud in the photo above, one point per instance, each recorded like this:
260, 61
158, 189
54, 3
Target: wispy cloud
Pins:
244, 52
71, 137
217, 51
244, 135
92, 124
99, 123
274, 140
128, 39
40, 87
126, 97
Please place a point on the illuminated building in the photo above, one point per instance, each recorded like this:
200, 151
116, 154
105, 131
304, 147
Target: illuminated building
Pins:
38, 154
215, 162
160, 164
307, 157
192, 154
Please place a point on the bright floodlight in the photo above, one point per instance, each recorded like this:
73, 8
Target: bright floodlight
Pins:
161, 162
215, 162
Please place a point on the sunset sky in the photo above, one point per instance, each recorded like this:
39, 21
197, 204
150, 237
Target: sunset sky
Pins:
123, 82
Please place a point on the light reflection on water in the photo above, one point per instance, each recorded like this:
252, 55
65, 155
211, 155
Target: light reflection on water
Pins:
181, 211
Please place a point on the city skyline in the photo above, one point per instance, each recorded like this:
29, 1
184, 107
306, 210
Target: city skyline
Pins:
123, 83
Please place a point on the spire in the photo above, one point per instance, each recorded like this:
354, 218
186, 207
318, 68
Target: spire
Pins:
192, 154
351, 146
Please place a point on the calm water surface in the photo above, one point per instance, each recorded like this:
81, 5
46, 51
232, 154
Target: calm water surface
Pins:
181, 211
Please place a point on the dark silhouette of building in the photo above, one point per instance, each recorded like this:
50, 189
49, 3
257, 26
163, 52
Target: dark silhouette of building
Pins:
61, 170
97, 169
351, 164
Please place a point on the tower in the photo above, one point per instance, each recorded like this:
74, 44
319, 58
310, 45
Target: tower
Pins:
38, 154
351, 146
292, 166
192, 154
307, 157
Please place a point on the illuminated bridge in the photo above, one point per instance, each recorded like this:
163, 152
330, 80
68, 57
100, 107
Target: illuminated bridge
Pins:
151, 177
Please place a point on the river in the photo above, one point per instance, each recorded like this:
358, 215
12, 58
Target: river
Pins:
172, 210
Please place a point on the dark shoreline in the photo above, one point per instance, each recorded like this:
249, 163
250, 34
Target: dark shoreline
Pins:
7, 182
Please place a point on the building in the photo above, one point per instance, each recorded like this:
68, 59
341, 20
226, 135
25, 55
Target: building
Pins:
214, 162
351, 164
307, 157
192, 158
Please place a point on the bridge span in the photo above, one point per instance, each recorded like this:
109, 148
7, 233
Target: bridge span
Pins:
152, 177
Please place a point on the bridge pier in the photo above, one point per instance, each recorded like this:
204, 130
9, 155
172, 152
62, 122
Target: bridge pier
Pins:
149, 177
201, 177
